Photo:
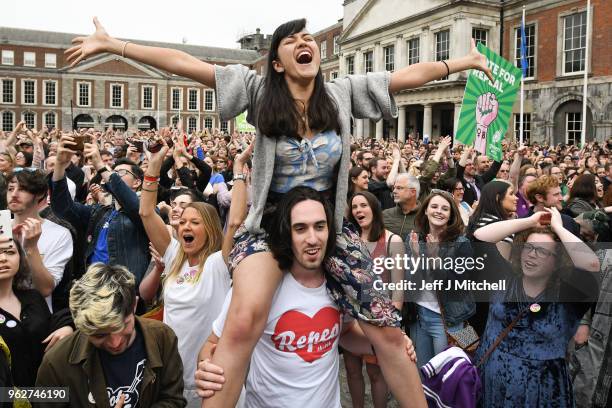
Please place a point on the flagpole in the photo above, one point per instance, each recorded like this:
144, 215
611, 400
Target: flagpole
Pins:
157, 95
522, 81
586, 77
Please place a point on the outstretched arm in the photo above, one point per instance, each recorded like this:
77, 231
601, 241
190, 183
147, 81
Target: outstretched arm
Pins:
174, 61
416, 75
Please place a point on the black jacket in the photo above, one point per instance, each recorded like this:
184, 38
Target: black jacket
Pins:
469, 195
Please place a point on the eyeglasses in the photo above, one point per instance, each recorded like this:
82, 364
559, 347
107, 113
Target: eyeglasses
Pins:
26, 169
504, 171
458, 189
123, 172
539, 251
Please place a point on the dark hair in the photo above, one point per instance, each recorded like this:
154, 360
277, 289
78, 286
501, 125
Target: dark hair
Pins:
134, 168
28, 157
378, 225
450, 184
354, 172
373, 163
454, 226
23, 277
30, 180
278, 114
279, 235
584, 187
195, 195
561, 258
490, 203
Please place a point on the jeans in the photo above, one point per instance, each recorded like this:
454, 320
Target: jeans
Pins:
428, 334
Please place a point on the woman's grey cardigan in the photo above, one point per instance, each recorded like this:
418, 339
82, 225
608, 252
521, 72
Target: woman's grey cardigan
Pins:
358, 96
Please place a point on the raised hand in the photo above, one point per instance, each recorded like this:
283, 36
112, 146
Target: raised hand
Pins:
479, 61
89, 46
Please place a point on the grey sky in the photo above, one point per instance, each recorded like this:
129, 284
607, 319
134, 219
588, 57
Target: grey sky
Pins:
202, 22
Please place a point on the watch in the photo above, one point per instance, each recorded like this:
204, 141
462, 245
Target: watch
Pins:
239, 176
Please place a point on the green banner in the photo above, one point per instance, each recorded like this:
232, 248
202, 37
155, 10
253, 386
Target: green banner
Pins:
242, 125
487, 107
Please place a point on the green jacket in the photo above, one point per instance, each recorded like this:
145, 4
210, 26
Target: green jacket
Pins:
399, 223
75, 363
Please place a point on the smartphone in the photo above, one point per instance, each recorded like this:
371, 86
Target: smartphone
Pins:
139, 145
545, 219
80, 142
7, 224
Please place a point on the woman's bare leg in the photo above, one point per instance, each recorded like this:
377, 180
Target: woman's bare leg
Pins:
255, 281
354, 379
400, 373
377, 385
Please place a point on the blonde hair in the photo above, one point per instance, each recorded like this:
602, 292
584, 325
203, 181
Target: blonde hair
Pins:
212, 242
102, 298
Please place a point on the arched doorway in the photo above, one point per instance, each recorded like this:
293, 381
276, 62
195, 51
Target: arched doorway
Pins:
118, 122
568, 122
83, 121
147, 122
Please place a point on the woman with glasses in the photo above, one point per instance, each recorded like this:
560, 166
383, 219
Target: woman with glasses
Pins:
438, 234
549, 282
455, 187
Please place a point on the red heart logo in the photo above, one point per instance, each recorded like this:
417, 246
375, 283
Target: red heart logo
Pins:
308, 337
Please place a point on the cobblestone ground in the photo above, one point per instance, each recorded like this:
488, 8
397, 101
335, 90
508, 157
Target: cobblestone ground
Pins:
345, 396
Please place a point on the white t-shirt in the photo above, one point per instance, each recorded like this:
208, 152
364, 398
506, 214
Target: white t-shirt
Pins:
190, 307
55, 247
295, 362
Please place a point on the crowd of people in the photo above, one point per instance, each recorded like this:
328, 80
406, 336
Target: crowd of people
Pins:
167, 268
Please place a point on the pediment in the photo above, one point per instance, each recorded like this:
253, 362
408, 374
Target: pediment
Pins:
115, 65
375, 14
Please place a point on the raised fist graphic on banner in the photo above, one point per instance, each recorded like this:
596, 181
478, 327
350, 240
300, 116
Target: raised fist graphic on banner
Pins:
486, 112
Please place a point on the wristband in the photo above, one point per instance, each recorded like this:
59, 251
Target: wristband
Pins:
152, 179
239, 176
447, 68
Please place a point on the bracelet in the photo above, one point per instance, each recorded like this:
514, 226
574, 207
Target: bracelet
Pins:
152, 179
123, 49
447, 68
150, 191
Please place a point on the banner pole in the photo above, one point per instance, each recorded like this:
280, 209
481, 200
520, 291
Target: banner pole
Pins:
586, 77
522, 84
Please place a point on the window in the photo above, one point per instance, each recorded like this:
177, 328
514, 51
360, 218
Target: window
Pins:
8, 57
192, 124
84, 98
8, 91
389, 54
529, 49
368, 61
526, 127
177, 99
50, 120
147, 97
8, 121
116, 96
208, 123
480, 35
350, 65
573, 127
174, 121
442, 46
323, 47
28, 93
30, 119
224, 126
29, 59
50, 60
50, 92
334, 75
414, 51
209, 100
574, 42
336, 44
193, 99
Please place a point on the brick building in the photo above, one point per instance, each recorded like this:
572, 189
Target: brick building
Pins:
37, 86
391, 34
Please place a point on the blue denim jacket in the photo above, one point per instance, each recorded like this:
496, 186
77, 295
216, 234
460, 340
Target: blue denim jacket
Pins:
127, 240
455, 312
